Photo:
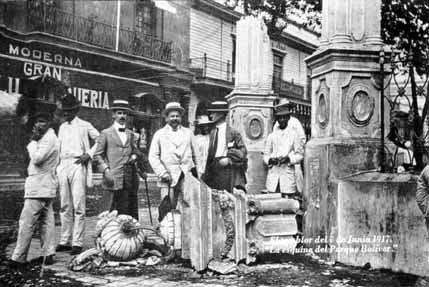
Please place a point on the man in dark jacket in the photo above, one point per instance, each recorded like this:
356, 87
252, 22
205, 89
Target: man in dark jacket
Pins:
227, 156
115, 154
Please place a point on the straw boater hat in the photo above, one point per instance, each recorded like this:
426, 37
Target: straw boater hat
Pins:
203, 120
218, 106
120, 105
173, 106
69, 103
283, 108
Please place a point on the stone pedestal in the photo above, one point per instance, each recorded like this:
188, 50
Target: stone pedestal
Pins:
346, 116
251, 114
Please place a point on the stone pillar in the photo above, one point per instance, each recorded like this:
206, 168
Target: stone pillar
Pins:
252, 99
347, 23
345, 122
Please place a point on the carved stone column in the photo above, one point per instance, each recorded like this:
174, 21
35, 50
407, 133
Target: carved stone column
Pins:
346, 23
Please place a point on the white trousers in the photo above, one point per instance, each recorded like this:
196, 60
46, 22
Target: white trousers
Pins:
34, 211
72, 180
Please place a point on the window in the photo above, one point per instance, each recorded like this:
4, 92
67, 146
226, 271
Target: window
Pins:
277, 70
278, 66
145, 17
234, 46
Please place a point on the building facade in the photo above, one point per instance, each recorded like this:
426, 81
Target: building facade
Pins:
102, 50
212, 59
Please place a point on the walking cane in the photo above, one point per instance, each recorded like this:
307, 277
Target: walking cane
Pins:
148, 200
147, 190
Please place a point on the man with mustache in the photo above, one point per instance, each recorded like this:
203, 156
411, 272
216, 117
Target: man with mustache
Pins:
74, 173
170, 154
117, 148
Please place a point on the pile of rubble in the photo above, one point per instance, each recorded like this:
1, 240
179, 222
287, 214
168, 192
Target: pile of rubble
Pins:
122, 241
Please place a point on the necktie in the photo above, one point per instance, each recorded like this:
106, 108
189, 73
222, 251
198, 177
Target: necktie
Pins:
216, 134
121, 129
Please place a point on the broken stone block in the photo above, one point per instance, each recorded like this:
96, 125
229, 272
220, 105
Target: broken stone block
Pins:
222, 267
153, 260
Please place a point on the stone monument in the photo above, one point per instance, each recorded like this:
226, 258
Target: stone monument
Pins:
252, 99
346, 118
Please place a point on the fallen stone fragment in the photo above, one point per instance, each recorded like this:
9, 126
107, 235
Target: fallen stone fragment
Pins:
130, 263
222, 267
98, 261
153, 260
113, 263
141, 261
154, 253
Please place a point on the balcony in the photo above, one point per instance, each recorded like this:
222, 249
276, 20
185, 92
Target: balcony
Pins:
205, 67
57, 22
287, 88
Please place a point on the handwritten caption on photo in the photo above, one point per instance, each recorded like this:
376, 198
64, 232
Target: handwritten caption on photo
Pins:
349, 244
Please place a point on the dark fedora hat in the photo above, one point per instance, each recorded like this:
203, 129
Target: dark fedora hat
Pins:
120, 105
41, 115
68, 103
284, 107
218, 106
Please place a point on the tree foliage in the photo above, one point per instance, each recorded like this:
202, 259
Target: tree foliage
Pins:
405, 26
275, 13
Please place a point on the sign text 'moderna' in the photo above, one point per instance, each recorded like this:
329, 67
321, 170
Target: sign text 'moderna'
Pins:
44, 56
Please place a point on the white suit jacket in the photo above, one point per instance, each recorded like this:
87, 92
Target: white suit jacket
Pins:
288, 142
171, 153
42, 181
86, 131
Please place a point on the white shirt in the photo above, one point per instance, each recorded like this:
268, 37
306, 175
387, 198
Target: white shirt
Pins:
122, 135
221, 140
201, 146
70, 139
177, 135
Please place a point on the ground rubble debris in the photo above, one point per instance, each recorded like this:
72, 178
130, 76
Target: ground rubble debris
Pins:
130, 247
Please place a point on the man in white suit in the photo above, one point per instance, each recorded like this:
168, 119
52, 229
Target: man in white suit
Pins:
74, 173
284, 152
40, 190
170, 153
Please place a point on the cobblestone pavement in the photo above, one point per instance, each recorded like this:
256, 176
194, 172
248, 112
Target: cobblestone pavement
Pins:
292, 271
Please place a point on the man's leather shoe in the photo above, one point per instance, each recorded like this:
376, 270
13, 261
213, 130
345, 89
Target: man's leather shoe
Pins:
76, 250
49, 260
61, 248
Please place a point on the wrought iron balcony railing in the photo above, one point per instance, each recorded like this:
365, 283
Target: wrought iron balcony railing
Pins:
206, 67
86, 30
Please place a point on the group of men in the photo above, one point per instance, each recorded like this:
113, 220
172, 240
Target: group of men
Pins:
64, 162
217, 155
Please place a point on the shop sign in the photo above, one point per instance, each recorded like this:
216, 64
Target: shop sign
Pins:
88, 75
